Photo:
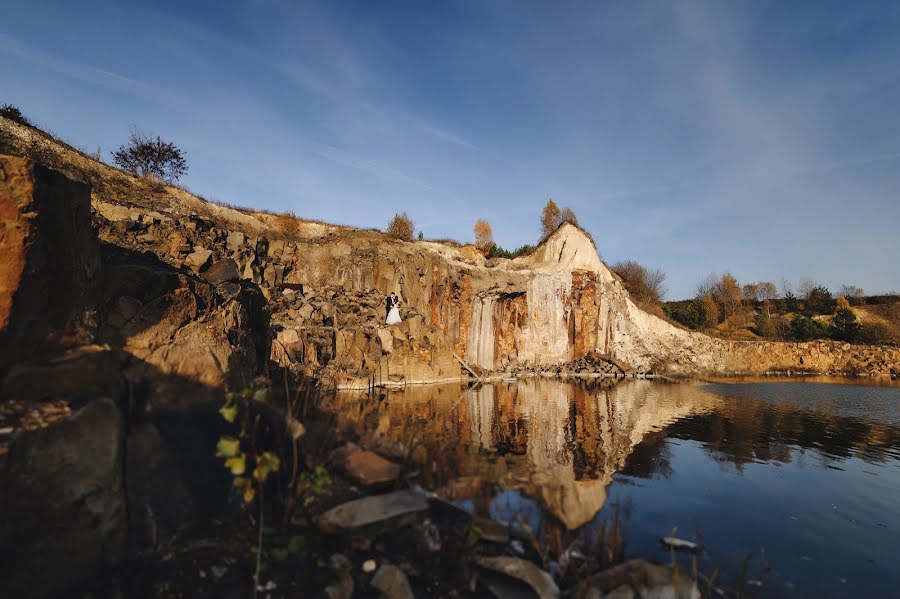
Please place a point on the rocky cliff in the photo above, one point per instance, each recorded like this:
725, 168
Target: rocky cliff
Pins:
325, 287
112, 365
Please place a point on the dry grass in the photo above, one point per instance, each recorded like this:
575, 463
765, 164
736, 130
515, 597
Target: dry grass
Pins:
288, 224
401, 227
447, 241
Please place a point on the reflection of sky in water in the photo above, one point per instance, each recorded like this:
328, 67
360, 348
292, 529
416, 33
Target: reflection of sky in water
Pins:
817, 525
809, 472
511, 507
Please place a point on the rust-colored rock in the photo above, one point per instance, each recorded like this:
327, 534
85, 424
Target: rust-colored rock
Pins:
366, 467
50, 262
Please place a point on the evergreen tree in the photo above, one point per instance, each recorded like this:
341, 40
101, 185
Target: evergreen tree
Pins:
844, 325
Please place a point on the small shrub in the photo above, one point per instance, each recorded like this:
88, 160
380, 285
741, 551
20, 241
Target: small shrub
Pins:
146, 156
484, 235
804, 328
644, 285
764, 326
878, 333
689, 313
14, 114
401, 227
288, 225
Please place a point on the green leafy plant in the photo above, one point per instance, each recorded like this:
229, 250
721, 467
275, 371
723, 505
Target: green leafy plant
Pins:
249, 465
315, 481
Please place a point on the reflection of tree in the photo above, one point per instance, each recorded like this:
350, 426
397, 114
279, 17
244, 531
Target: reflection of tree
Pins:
561, 443
651, 457
743, 431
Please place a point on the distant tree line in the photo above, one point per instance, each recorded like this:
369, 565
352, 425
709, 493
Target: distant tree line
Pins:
721, 304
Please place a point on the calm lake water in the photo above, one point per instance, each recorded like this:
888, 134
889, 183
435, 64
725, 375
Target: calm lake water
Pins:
801, 476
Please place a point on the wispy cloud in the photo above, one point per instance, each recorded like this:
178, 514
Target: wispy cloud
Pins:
74, 69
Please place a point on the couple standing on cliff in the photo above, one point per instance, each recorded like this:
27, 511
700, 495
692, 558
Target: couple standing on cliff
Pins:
392, 309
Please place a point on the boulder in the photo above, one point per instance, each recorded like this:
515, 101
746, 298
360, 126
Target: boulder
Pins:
366, 467
376, 513
222, 271
640, 579
198, 259
524, 571
79, 374
392, 583
62, 503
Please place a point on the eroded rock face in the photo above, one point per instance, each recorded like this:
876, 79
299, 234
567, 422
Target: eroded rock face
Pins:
42, 213
326, 290
107, 348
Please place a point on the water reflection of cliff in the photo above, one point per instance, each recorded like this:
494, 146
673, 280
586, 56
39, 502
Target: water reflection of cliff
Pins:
558, 442
561, 442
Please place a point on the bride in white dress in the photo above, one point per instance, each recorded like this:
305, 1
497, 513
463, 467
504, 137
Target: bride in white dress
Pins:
394, 315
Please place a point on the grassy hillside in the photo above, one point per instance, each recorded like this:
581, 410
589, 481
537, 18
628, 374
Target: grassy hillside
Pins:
872, 319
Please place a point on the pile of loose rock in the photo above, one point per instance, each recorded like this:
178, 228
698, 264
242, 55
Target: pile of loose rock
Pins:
593, 363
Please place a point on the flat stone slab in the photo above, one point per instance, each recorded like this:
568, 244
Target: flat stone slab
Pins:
523, 570
392, 583
375, 513
366, 467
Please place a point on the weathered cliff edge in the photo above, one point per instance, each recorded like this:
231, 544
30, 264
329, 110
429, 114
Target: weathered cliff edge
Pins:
326, 284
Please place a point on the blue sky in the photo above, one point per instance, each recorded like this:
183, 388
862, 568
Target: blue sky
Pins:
759, 137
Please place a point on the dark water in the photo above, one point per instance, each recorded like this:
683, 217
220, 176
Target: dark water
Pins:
802, 478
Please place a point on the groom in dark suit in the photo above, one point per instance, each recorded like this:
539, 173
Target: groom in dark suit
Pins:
388, 304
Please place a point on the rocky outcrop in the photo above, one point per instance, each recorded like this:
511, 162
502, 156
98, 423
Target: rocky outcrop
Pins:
554, 307
42, 213
112, 366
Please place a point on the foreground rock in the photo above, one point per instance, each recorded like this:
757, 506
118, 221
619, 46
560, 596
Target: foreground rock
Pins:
640, 579
392, 583
105, 352
366, 467
377, 513
62, 503
523, 570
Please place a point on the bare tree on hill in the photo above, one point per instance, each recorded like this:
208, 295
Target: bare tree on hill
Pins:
148, 156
